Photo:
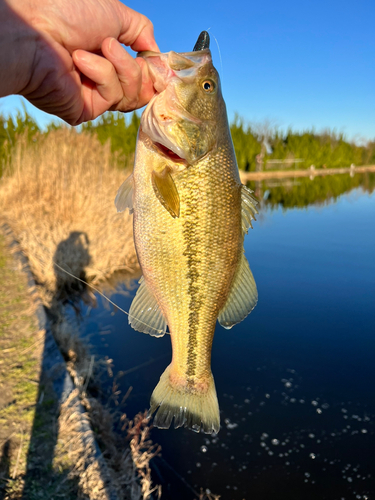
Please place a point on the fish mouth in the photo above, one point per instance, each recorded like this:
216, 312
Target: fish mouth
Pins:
166, 122
169, 153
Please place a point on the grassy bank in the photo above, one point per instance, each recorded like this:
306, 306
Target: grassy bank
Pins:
28, 427
57, 193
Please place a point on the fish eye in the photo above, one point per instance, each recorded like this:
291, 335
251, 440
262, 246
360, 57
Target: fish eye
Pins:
208, 86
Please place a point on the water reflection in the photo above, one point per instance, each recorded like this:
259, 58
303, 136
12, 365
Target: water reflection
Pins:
302, 191
295, 379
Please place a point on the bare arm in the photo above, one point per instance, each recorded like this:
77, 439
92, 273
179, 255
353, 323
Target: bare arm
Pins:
65, 57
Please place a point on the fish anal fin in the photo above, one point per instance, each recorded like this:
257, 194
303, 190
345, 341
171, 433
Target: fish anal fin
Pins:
124, 197
242, 298
166, 191
248, 210
145, 315
193, 408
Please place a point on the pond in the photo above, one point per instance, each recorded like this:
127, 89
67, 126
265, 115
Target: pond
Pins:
296, 379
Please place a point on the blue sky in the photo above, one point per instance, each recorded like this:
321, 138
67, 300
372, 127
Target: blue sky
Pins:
294, 63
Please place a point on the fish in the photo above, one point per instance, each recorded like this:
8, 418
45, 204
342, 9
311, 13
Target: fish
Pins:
191, 214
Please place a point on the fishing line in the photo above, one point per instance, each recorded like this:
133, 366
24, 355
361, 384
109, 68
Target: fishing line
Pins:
29, 226
218, 48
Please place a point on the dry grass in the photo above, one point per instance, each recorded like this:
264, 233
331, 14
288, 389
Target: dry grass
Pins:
58, 194
123, 468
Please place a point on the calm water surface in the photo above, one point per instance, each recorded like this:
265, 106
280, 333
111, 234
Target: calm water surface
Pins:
296, 379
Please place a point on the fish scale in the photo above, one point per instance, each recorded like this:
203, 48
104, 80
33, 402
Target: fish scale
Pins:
191, 214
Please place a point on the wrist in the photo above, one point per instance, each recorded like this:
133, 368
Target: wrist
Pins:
18, 43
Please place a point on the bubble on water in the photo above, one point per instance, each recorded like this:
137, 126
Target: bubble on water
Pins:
364, 431
311, 435
325, 406
287, 463
314, 403
263, 444
231, 426
281, 455
333, 434
288, 384
318, 410
293, 400
270, 453
302, 445
267, 396
264, 435
232, 457
350, 480
343, 410
247, 401
307, 474
275, 442
302, 401
312, 455
198, 464
204, 449
189, 471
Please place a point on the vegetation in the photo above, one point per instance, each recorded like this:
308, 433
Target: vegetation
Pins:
302, 192
57, 193
274, 148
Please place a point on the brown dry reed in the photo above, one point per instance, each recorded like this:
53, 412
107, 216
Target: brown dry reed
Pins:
57, 193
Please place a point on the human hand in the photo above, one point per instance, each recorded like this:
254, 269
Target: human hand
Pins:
70, 61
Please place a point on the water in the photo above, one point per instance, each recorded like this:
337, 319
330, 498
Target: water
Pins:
296, 379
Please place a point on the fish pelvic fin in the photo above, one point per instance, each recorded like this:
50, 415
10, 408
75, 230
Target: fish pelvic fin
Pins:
145, 314
191, 407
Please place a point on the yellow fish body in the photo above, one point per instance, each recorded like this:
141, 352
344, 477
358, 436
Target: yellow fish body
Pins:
190, 216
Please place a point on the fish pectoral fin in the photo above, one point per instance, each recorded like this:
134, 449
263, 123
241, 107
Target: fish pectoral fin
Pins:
242, 298
145, 315
124, 197
248, 209
166, 191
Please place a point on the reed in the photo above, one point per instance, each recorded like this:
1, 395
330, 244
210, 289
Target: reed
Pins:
57, 193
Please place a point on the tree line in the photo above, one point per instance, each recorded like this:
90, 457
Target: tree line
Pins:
258, 147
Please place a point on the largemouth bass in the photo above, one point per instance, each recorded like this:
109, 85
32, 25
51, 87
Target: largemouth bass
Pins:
191, 213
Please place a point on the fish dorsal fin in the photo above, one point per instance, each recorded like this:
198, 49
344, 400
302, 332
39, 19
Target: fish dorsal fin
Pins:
145, 315
124, 197
248, 209
166, 191
242, 298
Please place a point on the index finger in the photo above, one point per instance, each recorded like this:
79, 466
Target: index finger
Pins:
137, 31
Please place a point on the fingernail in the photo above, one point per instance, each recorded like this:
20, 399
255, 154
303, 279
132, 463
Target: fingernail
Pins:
115, 48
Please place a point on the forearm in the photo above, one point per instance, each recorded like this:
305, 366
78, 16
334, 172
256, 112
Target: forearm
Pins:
18, 43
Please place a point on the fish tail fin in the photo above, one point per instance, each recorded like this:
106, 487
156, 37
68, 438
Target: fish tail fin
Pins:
195, 408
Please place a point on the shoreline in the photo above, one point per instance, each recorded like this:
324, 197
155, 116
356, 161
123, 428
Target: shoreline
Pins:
284, 174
